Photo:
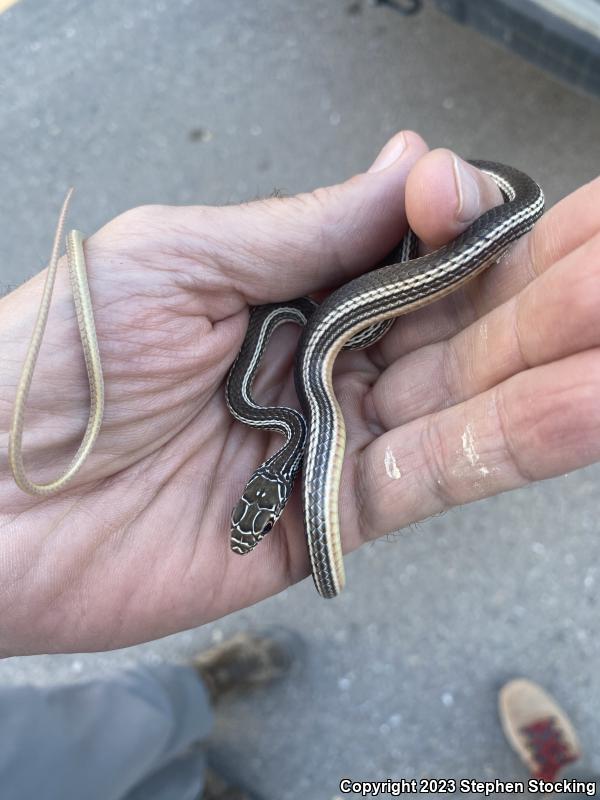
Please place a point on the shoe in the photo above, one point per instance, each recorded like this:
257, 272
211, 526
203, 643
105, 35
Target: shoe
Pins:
215, 788
244, 662
537, 728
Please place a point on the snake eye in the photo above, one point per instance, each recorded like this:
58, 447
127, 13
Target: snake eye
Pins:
263, 522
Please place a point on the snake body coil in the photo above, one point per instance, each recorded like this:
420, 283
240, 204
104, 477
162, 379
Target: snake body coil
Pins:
356, 314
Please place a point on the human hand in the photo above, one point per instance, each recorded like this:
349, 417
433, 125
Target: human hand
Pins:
484, 391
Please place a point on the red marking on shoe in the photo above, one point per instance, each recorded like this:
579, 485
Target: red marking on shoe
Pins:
549, 749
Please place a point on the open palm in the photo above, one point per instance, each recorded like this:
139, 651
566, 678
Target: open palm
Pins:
480, 393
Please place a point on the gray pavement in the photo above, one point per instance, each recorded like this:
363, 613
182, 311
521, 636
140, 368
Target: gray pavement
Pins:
213, 102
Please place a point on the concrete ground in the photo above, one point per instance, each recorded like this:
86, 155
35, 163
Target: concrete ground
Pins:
183, 101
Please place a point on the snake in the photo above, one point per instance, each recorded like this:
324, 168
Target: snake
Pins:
355, 315
89, 340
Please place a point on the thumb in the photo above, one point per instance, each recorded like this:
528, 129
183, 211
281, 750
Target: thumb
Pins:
275, 249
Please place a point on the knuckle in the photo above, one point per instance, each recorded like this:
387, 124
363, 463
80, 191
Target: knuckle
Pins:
451, 368
512, 431
436, 464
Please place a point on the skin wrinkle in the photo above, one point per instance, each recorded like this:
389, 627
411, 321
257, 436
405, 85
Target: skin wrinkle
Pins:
193, 350
260, 264
75, 580
582, 395
217, 275
359, 489
433, 447
32, 565
519, 339
126, 598
208, 492
530, 263
193, 561
375, 353
357, 458
145, 451
450, 365
331, 222
370, 413
291, 576
140, 391
182, 368
152, 456
117, 537
149, 451
524, 477
283, 544
147, 508
178, 304
384, 402
111, 641
529, 299
466, 304
551, 247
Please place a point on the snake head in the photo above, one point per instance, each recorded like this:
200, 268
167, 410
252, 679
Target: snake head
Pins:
259, 508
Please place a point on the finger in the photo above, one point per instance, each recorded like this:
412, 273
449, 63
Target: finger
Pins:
538, 424
551, 318
560, 231
444, 195
275, 249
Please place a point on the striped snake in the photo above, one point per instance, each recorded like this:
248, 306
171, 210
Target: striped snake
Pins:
356, 315
93, 365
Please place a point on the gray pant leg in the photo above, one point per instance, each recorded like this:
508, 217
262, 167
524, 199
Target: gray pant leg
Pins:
100, 739
181, 779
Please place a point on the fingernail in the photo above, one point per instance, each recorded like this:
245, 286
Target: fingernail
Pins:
467, 191
390, 153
